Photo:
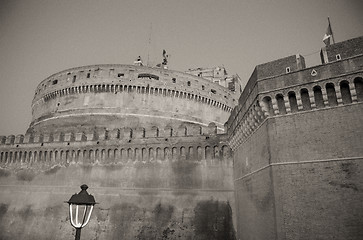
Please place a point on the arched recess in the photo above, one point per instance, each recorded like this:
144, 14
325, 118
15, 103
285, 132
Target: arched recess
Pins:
191, 153
167, 154
318, 97
332, 96
151, 154
345, 92
267, 104
305, 99
199, 153
144, 154
281, 103
358, 84
293, 101
207, 152
174, 153
183, 154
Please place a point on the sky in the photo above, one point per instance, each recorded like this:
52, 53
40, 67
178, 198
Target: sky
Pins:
41, 37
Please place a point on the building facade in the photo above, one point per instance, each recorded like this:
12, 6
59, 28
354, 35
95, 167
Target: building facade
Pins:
173, 155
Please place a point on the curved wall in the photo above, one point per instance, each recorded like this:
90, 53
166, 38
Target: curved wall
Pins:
112, 96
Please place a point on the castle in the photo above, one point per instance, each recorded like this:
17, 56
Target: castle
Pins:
184, 155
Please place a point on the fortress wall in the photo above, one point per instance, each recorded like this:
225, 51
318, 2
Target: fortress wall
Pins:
135, 76
254, 187
306, 76
297, 180
345, 49
183, 192
318, 173
296, 139
142, 107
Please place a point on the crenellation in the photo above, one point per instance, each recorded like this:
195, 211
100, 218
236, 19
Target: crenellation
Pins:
58, 137
19, 139
10, 139
68, 137
2, 140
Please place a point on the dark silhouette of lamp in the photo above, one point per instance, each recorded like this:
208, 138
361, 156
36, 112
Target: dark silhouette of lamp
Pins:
80, 209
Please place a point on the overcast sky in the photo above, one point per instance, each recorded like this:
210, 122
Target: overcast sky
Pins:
39, 38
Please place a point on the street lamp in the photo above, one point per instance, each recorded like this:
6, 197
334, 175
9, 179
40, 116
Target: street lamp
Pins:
80, 209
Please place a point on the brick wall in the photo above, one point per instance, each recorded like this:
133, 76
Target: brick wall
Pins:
299, 176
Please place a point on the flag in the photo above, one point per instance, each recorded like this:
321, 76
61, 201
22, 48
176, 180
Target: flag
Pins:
328, 35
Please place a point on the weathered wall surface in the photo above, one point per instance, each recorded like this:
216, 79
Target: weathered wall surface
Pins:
302, 181
298, 157
186, 193
119, 95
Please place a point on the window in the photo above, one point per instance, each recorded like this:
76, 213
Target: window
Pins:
338, 57
74, 78
55, 82
288, 70
213, 91
203, 87
188, 83
88, 75
173, 80
147, 75
120, 75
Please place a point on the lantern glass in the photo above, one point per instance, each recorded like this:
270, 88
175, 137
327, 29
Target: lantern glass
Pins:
80, 214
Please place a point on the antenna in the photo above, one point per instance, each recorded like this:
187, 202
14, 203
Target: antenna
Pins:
148, 48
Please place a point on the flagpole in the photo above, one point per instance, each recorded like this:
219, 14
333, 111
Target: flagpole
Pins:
332, 34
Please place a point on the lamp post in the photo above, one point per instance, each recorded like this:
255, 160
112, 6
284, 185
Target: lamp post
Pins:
80, 209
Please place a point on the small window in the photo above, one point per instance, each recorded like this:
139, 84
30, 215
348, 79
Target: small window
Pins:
55, 82
68, 73
147, 75
120, 75
213, 91
288, 70
338, 57
174, 80
74, 78
188, 83
88, 75
203, 87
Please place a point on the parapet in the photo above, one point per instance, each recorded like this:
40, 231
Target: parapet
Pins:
125, 133
278, 67
342, 50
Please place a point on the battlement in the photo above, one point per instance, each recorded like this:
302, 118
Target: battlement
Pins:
342, 50
120, 134
116, 146
330, 85
111, 88
116, 95
113, 74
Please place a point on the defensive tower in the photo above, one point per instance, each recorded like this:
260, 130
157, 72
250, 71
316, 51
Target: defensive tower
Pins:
114, 96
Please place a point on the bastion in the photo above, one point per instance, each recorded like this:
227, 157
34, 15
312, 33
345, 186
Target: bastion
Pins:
186, 155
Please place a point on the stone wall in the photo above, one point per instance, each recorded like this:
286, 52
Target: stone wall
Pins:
121, 94
148, 187
297, 156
